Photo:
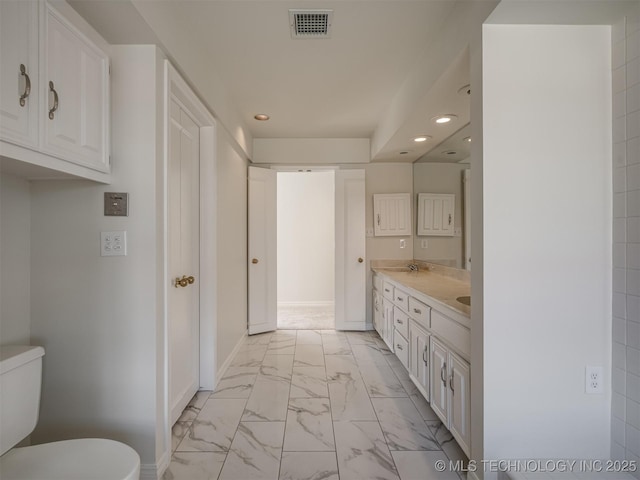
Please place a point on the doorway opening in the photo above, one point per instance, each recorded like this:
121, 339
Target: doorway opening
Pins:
306, 250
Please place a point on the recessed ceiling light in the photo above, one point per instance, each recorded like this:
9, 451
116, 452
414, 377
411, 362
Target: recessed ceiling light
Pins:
422, 138
467, 139
440, 119
263, 117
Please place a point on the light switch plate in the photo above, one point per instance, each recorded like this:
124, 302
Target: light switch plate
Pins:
116, 204
113, 244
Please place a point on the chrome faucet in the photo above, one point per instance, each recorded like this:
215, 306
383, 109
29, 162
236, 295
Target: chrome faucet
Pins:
413, 267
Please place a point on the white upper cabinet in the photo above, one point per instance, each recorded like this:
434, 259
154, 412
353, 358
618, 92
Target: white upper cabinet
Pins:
76, 79
392, 214
54, 91
19, 72
436, 214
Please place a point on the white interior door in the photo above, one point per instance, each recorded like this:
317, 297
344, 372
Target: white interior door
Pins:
263, 259
351, 270
184, 248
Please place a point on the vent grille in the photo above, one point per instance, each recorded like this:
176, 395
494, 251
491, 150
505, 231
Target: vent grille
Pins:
310, 23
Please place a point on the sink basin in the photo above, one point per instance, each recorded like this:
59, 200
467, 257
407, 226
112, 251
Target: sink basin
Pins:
466, 300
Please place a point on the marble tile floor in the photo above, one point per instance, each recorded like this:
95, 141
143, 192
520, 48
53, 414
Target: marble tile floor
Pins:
306, 404
306, 317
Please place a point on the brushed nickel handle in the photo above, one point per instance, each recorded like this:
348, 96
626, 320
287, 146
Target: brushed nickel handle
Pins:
27, 85
417, 310
55, 100
398, 346
399, 321
401, 299
425, 356
449, 219
378, 219
360, 260
442, 377
387, 290
254, 261
451, 383
181, 282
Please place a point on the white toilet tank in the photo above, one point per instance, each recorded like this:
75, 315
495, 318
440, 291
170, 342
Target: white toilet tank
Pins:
20, 381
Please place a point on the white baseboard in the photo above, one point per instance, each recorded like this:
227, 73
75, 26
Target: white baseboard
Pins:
223, 368
155, 471
317, 303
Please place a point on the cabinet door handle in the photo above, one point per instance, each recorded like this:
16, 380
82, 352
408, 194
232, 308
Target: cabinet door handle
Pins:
401, 299
425, 356
451, 383
442, 377
417, 310
27, 85
400, 321
387, 290
55, 100
398, 346
449, 219
378, 219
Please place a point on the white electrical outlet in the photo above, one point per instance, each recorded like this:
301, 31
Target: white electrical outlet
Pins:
594, 380
424, 243
113, 243
403, 243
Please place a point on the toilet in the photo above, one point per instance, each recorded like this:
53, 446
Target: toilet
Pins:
81, 459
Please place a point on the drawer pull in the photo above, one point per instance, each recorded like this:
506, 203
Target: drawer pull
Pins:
417, 310
387, 290
399, 321
401, 299
55, 101
399, 347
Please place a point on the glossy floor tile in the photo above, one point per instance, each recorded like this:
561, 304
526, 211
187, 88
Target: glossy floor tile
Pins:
311, 404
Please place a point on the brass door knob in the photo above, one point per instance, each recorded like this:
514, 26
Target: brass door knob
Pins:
360, 260
191, 279
182, 282
255, 260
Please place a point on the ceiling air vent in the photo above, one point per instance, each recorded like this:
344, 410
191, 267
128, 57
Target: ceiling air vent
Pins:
310, 23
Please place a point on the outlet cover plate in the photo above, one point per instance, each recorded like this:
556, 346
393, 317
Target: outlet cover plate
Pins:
594, 380
113, 244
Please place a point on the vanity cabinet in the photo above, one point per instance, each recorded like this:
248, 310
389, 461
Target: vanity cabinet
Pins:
392, 214
450, 387
436, 214
54, 92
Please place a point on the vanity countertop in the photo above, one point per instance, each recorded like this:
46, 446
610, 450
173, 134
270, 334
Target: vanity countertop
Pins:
442, 288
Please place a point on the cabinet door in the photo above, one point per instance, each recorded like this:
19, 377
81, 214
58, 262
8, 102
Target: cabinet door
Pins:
436, 214
377, 312
420, 357
19, 72
75, 85
401, 348
392, 214
438, 373
459, 407
388, 323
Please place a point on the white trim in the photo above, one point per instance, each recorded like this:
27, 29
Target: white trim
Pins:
227, 362
304, 168
324, 303
153, 471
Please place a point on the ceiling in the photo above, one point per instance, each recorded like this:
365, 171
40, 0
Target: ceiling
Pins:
340, 87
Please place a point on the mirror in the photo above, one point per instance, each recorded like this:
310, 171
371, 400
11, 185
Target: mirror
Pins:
442, 170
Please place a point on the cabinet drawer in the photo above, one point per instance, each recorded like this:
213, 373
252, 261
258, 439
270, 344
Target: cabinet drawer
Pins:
401, 348
377, 282
401, 299
387, 290
401, 322
452, 332
420, 312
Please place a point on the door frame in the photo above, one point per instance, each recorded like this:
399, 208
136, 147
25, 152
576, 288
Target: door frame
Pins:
175, 86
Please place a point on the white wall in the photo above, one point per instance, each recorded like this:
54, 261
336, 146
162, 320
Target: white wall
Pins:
232, 245
306, 237
547, 239
440, 178
15, 270
98, 317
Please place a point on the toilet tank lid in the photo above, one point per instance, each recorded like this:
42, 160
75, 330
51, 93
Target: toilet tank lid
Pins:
13, 356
